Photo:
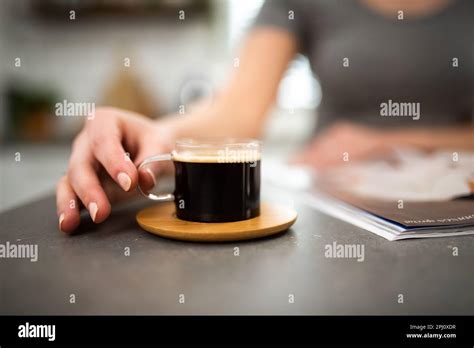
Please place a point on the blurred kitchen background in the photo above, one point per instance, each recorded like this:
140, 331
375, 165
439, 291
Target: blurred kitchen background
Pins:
135, 54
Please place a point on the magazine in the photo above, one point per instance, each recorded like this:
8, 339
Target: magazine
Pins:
386, 219
412, 194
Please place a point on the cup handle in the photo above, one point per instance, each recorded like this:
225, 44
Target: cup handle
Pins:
163, 197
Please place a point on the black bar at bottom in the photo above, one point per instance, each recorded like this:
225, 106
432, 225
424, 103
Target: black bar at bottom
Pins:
411, 330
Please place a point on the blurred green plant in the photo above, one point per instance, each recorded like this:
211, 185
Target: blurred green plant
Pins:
30, 113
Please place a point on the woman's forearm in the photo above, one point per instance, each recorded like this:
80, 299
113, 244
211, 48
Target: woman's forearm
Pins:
240, 109
461, 138
219, 119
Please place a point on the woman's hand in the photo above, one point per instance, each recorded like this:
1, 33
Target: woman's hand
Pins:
342, 143
347, 142
102, 166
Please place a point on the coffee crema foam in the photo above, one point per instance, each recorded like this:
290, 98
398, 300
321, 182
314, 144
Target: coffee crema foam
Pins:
230, 156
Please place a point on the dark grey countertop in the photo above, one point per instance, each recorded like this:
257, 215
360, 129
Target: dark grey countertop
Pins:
92, 266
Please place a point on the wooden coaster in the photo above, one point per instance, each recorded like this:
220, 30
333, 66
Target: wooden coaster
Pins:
161, 220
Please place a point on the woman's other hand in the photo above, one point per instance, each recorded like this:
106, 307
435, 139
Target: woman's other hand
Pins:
342, 143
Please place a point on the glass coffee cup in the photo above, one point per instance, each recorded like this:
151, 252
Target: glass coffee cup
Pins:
216, 180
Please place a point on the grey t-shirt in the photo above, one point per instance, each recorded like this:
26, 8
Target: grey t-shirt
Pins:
363, 59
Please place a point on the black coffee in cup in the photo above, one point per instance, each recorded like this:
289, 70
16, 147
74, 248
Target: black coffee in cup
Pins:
216, 180
211, 191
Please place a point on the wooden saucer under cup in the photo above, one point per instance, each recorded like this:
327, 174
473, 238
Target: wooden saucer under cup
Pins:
161, 220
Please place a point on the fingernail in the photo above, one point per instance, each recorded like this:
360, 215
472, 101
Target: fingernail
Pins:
93, 209
148, 170
61, 219
124, 181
